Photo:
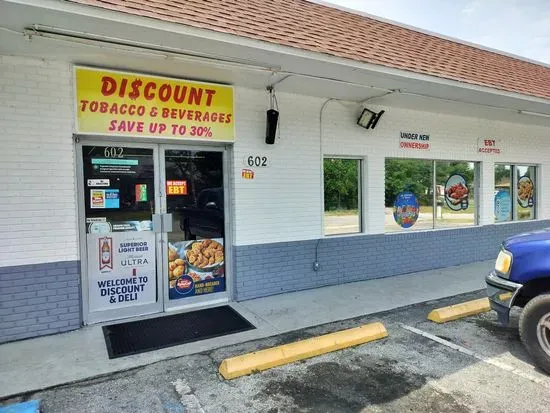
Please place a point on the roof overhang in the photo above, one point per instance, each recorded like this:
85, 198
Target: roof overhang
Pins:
85, 35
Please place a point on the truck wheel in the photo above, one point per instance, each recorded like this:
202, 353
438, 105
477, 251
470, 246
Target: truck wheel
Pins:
534, 330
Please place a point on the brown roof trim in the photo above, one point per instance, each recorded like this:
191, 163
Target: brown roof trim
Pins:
337, 32
430, 33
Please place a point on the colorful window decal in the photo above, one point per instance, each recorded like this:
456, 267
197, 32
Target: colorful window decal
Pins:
406, 209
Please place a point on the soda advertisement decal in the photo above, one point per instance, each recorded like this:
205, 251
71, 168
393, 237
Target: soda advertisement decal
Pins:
121, 269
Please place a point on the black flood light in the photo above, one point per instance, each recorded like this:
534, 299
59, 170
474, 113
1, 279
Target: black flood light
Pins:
369, 119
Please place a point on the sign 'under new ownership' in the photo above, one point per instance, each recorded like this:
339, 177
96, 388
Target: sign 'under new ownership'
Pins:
414, 141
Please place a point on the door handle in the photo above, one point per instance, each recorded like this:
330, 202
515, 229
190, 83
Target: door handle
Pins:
157, 223
167, 223
162, 223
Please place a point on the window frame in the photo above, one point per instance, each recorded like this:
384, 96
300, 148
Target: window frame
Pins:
360, 192
477, 188
514, 189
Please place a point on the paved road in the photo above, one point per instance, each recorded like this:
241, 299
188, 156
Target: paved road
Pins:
416, 369
343, 224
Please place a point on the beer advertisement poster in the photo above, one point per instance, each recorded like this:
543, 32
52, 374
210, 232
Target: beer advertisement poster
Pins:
121, 269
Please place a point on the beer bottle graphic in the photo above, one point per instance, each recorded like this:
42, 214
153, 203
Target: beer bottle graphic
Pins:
106, 260
105, 252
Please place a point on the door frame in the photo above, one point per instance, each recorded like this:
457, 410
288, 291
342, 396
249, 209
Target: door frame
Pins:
207, 299
160, 305
125, 312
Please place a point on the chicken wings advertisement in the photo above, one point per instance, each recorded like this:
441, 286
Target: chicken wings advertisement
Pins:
457, 193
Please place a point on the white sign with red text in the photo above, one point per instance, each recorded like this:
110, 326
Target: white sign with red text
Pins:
121, 269
489, 146
414, 141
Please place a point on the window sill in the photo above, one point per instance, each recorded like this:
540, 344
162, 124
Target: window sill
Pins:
349, 234
421, 231
517, 221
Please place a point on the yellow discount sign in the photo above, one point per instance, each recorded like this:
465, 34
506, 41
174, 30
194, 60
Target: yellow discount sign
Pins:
130, 104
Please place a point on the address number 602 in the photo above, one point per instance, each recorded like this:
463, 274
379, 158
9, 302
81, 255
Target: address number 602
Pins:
256, 161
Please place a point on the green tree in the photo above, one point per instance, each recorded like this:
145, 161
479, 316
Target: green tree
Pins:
408, 175
341, 183
445, 169
502, 174
415, 175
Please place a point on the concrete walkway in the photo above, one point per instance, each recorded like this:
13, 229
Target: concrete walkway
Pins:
43, 362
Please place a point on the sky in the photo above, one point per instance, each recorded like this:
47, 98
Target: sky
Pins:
520, 27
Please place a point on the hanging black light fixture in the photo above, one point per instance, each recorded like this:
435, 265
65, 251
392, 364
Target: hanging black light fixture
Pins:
272, 118
369, 119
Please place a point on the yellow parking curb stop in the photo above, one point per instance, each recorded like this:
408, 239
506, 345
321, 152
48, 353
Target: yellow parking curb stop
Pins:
454, 312
244, 364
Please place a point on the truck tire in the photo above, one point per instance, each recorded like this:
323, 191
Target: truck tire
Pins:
534, 330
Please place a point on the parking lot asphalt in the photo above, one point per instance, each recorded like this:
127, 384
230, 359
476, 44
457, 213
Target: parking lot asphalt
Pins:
470, 365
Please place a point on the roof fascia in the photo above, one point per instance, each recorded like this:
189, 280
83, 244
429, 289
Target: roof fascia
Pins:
179, 28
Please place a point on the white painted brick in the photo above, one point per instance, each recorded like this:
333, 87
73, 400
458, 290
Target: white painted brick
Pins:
283, 202
37, 176
10, 73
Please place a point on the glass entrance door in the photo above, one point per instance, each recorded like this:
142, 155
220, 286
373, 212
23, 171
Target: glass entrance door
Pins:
119, 197
153, 228
194, 261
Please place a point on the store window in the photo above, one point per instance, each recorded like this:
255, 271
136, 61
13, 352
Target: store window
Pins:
503, 193
526, 188
408, 195
515, 192
424, 194
456, 204
342, 195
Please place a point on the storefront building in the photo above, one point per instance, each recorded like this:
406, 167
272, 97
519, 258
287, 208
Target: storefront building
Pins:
137, 177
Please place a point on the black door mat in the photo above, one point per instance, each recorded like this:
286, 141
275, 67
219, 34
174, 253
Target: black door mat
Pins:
150, 334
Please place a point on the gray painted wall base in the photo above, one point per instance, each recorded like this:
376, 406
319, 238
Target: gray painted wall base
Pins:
276, 268
43, 299
39, 299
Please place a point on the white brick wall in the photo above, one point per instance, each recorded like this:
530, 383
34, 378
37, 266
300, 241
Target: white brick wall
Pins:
37, 186
283, 202
451, 137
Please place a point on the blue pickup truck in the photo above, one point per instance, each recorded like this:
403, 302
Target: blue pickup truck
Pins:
522, 278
